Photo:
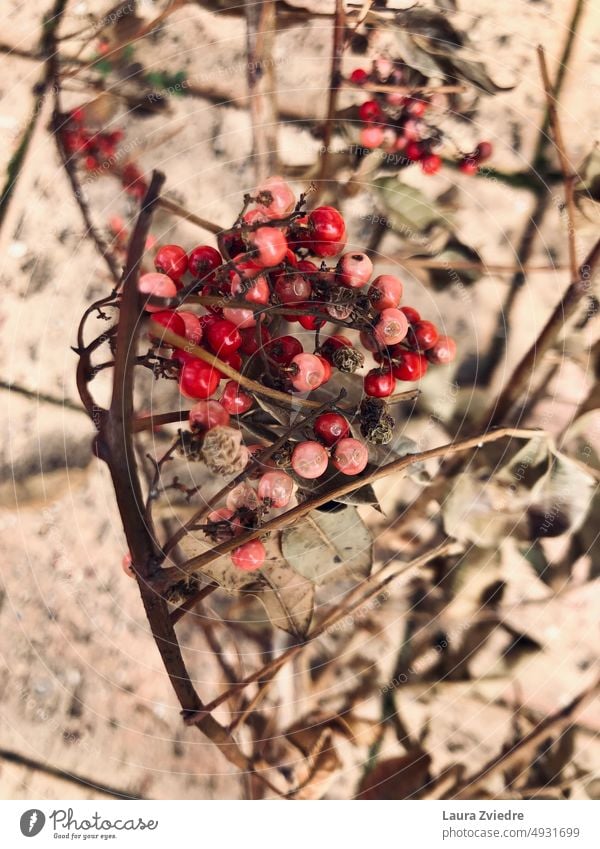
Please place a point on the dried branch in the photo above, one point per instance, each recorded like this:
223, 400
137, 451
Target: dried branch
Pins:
181, 212
335, 81
260, 32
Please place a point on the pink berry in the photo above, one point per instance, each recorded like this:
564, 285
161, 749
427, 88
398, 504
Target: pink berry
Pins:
255, 291
443, 352
193, 327
309, 460
235, 400
371, 137
207, 414
276, 487
240, 317
158, 285
385, 292
271, 245
283, 198
354, 270
309, 372
431, 163
350, 456
392, 327
127, 565
221, 514
249, 556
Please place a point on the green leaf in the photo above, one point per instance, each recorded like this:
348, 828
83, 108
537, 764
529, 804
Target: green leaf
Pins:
406, 208
327, 547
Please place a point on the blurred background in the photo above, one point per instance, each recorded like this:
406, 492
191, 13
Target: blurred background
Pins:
86, 710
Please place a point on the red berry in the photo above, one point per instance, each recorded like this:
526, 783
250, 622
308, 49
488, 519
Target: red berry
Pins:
468, 165
350, 456
235, 400
171, 320
413, 151
327, 231
379, 383
310, 322
431, 163
309, 460
483, 151
331, 427
249, 556
202, 260
223, 336
391, 328
171, 260
158, 285
370, 111
283, 349
354, 270
309, 372
198, 379
276, 487
411, 314
368, 341
409, 366
331, 345
385, 292
423, 335
327, 368
359, 76
232, 359
443, 352
249, 342
207, 414
271, 245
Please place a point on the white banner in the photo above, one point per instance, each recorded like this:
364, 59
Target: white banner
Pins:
277, 824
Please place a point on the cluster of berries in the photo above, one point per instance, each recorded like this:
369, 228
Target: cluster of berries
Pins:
98, 150
258, 281
395, 122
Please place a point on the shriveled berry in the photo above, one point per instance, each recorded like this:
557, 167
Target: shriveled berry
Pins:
250, 556
385, 292
198, 379
333, 344
277, 488
379, 383
158, 285
354, 270
309, 460
171, 260
443, 352
327, 231
350, 456
409, 365
235, 400
207, 414
331, 427
203, 260
242, 495
270, 244
392, 327
308, 373
223, 336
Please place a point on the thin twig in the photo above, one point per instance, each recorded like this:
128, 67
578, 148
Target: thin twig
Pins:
182, 212
260, 32
162, 580
335, 81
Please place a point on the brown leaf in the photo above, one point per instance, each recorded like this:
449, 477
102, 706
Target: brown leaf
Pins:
404, 777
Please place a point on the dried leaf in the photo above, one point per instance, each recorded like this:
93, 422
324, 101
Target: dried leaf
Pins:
326, 547
404, 777
287, 597
406, 208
